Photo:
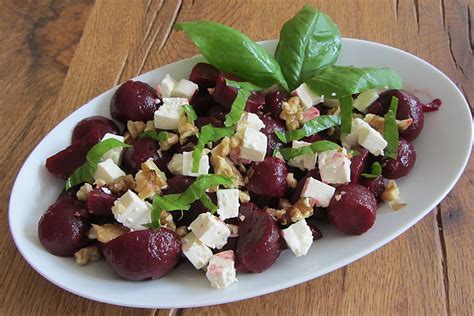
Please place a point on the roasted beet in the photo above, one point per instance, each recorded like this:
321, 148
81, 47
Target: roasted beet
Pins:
274, 102
134, 101
255, 102
100, 202
202, 101
271, 126
268, 177
201, 121
224, 94
359, 164
352, 209
63, 163
141, 151
432, 106
217, 112
63, 228
374, 185
205, 75
143, 254
400, 167
103, 124
314, 229
258, 246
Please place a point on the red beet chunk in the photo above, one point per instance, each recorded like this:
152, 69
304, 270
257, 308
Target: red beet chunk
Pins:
359, 164
258, 245
202, 121
102, 124
268, 177
400, 167
274, 102
99, 203
271, 126
224, 94
63, 228
202, 101
63, 164
143, 254
255, 102
352, 209
317, 234
374, 185
141, 151
217, 112
205, 75
432, 106
134, 101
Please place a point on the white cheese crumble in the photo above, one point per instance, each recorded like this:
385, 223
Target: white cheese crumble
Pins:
221, 271
108, 171
228, 203
320, 192
210, 230
196, 252
334, 166
298, 237
303, 162
131, 211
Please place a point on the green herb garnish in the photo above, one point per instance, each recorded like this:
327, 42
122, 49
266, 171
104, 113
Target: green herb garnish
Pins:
190, 113
391, 130
346, 114
319, 146
153, 134
375, 171
85, 172
238, 107
309, 128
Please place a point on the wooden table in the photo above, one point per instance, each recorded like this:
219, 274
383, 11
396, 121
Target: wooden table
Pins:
56, 55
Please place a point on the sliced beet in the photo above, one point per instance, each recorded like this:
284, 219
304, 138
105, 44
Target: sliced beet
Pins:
99, 202
224, 94
352, 209
63, 228
201, 121
274, 102
143, 254
400, 167
374, 185
101, 123
63, 163
258, 246
255, 102
141, 151
202, 101
268, 177
317, 234
205, 75
272, 126
359, 164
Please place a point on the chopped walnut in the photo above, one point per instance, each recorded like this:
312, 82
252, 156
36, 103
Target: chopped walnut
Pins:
181, 231
135, 128
106, 232
224, 166
378, 122
284, 203
404, 124
185, 128
83, 192
396, 206
127, 138
234, 230
391, 193
167, 220
303, 208
175, 166
290, 178
293, 113
149, 126
87, 254
223, 148
169, 142
279, 215
150, 180
122, 184
244, 197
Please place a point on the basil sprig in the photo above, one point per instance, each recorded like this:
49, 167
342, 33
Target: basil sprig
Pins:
309, 41
153, 134
86, 171
346, 114
196, 191
208, 134
238, 106
337, 82
375, 171
391, 130
309, 128
318, 146
190, 113
231, 51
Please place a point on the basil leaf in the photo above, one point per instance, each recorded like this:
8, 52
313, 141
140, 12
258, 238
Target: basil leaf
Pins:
190, 113
208, 134
199, 187
375, 171
391, 130
159, 136
206, 201
346, 114
319, 146
233, 52
309, 41
238, 107
243, 85
336, 82
168, 202
86, 171
309, 128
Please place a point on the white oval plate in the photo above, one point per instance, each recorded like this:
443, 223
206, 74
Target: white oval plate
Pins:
442, 149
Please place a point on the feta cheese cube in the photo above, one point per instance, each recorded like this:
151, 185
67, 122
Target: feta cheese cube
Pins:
132, 211
304, 162
250, 120
365, 99
210, 230
307, 97
334, 166
175, 166
115, 153
317, 190
188, 165
185, 89
298, 237
228, 203
352, 139
166, 86
254, 145
372, 140
196, 252
108, 171
221, 271
168, 114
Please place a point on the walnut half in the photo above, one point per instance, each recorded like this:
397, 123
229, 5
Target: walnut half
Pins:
87, 254
107, 232
150, 180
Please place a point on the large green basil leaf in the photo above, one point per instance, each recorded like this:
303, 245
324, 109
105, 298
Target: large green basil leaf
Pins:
309, 41
233, 52
336, 82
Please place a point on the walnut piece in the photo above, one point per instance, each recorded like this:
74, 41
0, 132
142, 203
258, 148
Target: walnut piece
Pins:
150, 180
167, 220
290, 178
378, 122
185, 128
135, 128
391, 193
122, 184
169, 142
107, 232
303, 208
84, 191
222, 164
293, 113
87, 254
279, 215
244, 197
181, 231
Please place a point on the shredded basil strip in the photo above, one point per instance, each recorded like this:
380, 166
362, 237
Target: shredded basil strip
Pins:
238, 107
375, 171
190, 113
159, 136
346, 114
243, 85
309, 128
319, 146
206, 201
85, 172
208, 134
391, 130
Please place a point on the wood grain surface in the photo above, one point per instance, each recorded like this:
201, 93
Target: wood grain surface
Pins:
56, 55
